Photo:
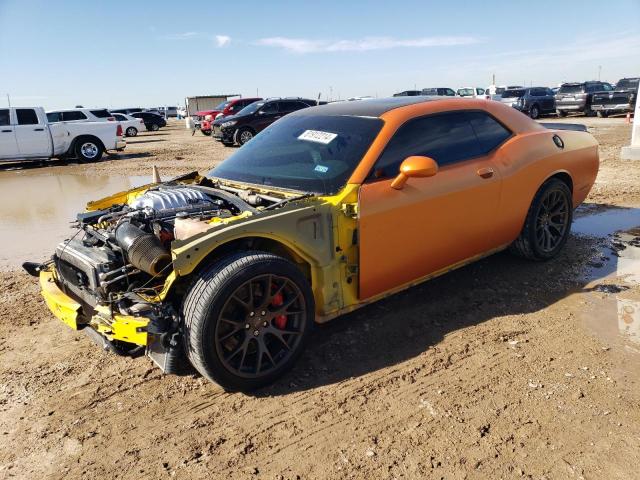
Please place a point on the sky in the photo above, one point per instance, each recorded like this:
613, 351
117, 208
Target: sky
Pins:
115, 53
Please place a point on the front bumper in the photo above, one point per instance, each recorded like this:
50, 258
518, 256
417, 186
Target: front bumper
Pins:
111, 325
573, 107
223, 134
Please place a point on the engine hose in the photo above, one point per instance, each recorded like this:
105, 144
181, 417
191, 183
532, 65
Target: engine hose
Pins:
143, 249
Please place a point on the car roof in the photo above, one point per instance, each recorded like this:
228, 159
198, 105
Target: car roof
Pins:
371, 108
76, 109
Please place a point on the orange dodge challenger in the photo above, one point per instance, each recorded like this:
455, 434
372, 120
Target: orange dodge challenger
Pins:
328, 209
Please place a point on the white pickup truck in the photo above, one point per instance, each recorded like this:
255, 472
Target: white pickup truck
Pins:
25, 134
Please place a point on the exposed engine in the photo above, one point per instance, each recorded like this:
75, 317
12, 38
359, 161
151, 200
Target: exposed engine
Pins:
125, 249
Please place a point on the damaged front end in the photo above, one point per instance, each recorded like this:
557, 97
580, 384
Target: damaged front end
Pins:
113, 277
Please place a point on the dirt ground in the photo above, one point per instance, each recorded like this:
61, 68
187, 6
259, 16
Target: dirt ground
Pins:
502, 369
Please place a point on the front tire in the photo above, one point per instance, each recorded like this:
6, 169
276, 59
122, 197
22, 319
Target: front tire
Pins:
244, 135
561, 113
602, 114
246, 319
548, 223
132, 132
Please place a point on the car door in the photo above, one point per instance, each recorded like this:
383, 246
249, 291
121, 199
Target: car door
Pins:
8, 143
32, 135
267, 114
432, 223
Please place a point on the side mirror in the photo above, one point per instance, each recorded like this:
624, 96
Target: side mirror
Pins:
414, 167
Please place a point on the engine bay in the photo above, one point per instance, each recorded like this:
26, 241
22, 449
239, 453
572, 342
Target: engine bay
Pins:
125, 250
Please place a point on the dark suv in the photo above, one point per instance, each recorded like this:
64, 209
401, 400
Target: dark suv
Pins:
251, 120
152, 121
621, 100
534, 101
577, 97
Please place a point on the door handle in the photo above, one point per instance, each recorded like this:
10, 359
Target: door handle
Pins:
7, 131
38, 129
485, 172
277, 117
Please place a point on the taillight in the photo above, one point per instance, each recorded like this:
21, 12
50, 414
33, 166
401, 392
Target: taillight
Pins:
119, 131
141, 122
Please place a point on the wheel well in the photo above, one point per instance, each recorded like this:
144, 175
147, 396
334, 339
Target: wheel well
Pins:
82, 138
256, 243
566, 178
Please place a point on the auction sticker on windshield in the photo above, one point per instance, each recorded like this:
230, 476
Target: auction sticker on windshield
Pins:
317, 136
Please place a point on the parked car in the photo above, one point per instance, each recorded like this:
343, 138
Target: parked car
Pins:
577, 97
621, 99
534, 101
472, 92
494, 92
127, 111
152, 121
408, 93
130, 125
168, 112
251, 120
231, 107
439, 92
235, 289
80, 115
26, 134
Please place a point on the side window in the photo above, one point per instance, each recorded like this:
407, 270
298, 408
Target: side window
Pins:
73, 116
537, 92
449, 93
489, 131
54, 117
288, 106
4, 117
26, 116
101, 113
480, 91
447, 138
270, 108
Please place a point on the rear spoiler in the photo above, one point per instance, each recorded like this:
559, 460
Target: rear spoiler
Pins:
576, 127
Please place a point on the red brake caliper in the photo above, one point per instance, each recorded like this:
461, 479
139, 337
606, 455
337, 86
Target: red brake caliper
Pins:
280, 320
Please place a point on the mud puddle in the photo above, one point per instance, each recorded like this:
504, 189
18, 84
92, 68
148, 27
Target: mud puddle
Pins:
37, 206
611, 307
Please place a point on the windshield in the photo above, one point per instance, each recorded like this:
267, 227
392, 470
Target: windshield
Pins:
571, 88
251, 108
301, 152
627, 84
466, 92
513, 93
222, 105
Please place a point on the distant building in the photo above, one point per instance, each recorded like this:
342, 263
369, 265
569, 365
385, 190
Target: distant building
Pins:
205, 102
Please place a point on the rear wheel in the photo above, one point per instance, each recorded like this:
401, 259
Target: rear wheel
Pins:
88, 150
206, 132
548, 222
247, 319
132, 132
154, 127
534, 111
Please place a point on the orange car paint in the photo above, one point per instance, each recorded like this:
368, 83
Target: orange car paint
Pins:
468, 208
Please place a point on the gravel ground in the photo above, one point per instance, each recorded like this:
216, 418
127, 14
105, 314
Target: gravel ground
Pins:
491, 371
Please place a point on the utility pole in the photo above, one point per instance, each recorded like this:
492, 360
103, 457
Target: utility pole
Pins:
599, 71
8, 100
330, 93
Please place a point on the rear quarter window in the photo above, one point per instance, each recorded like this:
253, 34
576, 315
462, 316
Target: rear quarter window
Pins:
101, 113
72, 116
